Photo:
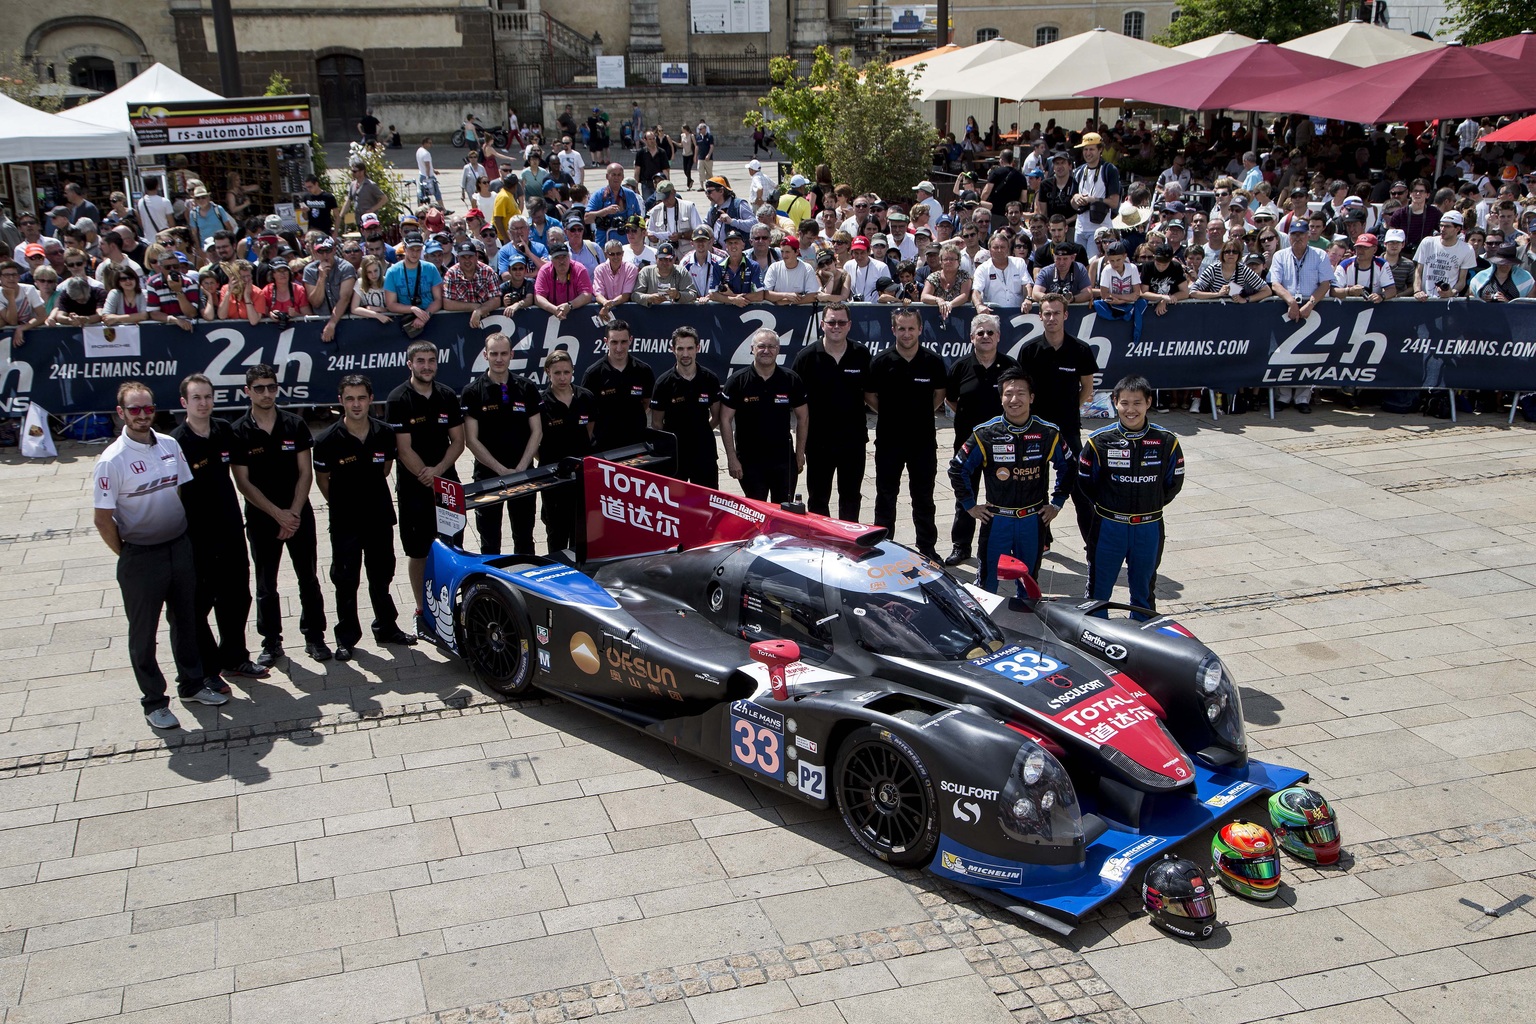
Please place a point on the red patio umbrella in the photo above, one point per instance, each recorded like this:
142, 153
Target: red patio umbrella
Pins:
1223, 79
1448, 82
1521, 46
1523, 130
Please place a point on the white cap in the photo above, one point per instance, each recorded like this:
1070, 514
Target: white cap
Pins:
1451, 217
754, 166
1395, 235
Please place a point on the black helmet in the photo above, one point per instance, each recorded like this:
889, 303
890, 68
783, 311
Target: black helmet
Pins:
1178, 898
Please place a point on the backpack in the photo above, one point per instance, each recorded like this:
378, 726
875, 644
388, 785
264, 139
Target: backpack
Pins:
1438, 403
1399, 401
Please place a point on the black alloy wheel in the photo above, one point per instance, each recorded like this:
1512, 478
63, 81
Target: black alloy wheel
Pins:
493, 641
886, 799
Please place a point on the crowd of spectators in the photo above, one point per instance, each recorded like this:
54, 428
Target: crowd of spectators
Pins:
1130, 216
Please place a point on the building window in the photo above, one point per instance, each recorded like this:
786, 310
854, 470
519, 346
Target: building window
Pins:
1046, 34
1134, 25
986, 34
1175, 16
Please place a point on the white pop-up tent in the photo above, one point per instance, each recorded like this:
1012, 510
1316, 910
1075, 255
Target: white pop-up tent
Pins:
30, 135
158, 84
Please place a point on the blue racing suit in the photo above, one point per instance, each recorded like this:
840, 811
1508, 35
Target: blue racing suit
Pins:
1129, 477
1014, 461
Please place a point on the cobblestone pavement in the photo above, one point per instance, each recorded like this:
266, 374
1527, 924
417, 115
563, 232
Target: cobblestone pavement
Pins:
379, 841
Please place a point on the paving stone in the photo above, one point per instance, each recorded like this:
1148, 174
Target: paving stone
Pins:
855, 907
684, 937
304, 929
741, 1004
531, 825
121, 960
379, 848
144, 828
965, 998
626, 874
221, 874
481, 898
357, 997
68, 1009
68, 899
1148, 973
516, 968
1464, 1002
1415, 922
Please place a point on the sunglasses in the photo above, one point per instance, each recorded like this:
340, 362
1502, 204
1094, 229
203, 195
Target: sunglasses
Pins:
139, 410
984, 334
37, 256
262, 389
74, 263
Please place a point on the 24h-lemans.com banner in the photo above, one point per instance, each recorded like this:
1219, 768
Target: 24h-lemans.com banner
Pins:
1403, 344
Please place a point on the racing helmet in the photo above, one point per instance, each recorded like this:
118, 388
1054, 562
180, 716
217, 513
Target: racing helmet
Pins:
1178, 898
1243, 858
1304, 825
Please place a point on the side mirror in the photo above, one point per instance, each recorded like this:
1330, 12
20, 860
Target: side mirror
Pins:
777, 655
1010, 568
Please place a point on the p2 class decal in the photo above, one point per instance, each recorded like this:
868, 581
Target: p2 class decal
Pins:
812, 780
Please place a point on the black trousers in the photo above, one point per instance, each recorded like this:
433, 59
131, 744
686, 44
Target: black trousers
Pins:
697, 462
847, 463
773, 481
223, 590
351, 552
488, 521
964, 528
1082, 506
918, 456
688, 170
559, 515
152, 577
266, 555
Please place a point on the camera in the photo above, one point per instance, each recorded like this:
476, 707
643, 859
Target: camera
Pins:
281, 316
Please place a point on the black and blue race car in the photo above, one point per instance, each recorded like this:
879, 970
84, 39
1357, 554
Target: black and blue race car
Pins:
1028, 750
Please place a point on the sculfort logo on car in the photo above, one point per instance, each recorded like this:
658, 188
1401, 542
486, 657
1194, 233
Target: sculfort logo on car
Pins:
1076, 694
980, 869
958, 790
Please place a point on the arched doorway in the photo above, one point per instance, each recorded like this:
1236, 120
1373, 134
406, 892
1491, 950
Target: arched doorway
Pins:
343, 94
96, 73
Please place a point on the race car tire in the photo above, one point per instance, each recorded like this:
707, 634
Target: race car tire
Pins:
885, 795
493, 639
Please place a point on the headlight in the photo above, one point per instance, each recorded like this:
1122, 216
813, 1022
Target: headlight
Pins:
1023, 807
1223, 704
1039, 806
1211, 672
1034, 767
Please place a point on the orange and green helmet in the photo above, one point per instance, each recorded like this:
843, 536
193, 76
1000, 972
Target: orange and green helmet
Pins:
1244, 858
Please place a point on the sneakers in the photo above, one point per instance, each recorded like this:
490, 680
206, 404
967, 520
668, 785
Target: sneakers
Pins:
250, 670
216, 684
269, 655
1303, 407
395, 636
343, 652
162, 718
205, 696
318, 649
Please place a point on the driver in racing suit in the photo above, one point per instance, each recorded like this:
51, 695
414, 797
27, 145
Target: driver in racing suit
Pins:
1130, 470
1014, 453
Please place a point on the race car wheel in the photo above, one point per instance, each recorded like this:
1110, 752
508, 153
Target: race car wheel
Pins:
886, 798
494, 641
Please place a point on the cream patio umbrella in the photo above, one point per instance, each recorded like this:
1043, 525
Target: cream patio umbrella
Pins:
1360, 44
1221, 42
1061, 70
931, 81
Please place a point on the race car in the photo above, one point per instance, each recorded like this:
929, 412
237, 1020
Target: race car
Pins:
1027, 750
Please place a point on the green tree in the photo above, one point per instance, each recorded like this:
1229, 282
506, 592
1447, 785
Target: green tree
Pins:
1275, 20
279, 85
1482, 21
859, 120
19, 81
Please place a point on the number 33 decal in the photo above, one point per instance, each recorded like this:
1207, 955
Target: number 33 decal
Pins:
757, 747
1026, 666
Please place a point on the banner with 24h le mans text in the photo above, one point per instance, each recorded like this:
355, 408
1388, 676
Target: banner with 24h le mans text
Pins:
1401, 344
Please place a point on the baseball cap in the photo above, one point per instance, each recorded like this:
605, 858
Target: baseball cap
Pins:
1341, 240
409, 218
1366, 239
1267, 211
432, 247
718, 181
665, 188
59, 211
737, 235
879, 239
1298, 226
551, 184
208, 242
1451, 217
1177, 206
369, 220
1062, 156
466, 248
665, 249
799, 181
517, 261
1162, 251
475, 214
324, 244
702, 232
1090, 139
754, 166
824, 256
488, 229
923, 232
1298, 191
1237, 203
791, 242
1395, 235
413, 240
1034, 172
897, 217
924, 186
559, 249
274, 223
1351, 201
33, 249
1510, 172
860, 243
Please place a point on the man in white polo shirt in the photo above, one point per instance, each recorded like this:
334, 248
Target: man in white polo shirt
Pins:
140, 516
1001, 280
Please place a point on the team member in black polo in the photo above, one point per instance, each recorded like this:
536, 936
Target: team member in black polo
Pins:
352, 460
971, 392
502, 429
621, 387
429, 438
686, 403
905, 387
832, 371
754, 425
1062, 369
566, 412
217, 533
273, 469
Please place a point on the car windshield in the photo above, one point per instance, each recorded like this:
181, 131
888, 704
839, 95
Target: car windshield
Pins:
901, 606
